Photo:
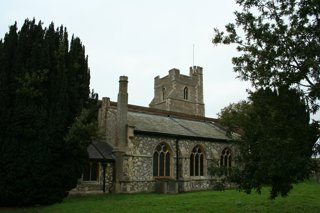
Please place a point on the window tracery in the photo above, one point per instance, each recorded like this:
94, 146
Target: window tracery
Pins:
161, 161
196, 162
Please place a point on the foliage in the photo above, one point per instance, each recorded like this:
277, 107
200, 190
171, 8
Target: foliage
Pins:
44, 85
279, 42
279, 48
304, 198
316, 149
84, 127
222, 173
233, 115
218, 171
276, 142
82, 132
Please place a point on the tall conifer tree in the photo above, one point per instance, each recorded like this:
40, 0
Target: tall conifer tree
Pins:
44, 86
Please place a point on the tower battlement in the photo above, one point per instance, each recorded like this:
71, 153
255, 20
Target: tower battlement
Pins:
195, 70
180, 93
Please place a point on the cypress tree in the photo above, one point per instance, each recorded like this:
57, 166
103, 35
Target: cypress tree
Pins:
44, 86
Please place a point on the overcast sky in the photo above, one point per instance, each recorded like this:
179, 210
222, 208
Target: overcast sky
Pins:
142, 39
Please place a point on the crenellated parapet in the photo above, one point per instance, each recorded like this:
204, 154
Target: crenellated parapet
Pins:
180, 93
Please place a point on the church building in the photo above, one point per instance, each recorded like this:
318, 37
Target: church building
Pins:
169, 146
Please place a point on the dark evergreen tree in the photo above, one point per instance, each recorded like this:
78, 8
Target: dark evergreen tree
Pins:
276, 140
44, 86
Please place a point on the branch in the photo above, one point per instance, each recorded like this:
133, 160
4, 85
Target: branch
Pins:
308, 86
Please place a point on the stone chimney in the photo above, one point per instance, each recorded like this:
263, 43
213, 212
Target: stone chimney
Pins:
121, 133
122, 111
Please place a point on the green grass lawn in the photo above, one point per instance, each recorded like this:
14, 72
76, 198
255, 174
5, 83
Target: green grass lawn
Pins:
305, 198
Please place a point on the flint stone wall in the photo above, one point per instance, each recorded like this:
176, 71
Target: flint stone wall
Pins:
138, 163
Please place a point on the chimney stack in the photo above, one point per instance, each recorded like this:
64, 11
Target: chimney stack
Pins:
122, 111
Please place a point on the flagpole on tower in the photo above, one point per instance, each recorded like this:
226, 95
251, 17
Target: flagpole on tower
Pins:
193, 55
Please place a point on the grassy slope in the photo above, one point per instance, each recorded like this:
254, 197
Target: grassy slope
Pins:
305, 197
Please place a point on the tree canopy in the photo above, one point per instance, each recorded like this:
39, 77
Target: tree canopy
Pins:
276, 140
44, 85
279, 44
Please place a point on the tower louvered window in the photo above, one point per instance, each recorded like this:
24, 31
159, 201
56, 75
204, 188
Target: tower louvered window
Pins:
163, 93
186, 93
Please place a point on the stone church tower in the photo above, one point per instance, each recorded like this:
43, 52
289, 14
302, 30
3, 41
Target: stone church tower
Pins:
180, 93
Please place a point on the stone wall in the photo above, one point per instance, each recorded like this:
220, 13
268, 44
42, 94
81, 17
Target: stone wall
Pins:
169, 92
138, 166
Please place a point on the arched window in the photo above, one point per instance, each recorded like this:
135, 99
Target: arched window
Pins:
185, 93
163, 93
161, 161
196, 162
225, 158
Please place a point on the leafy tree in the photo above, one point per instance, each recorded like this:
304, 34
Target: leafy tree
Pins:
279, 48
44, 85
279, 42
276, 140
234, 116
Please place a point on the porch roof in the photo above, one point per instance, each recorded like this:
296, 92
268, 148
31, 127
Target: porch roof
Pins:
100, 151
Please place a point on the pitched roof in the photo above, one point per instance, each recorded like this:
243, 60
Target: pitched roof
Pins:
171, 125
100, 151
155, 121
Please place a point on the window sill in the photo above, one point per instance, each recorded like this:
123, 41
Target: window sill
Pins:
164, 178
90, 182
198, 177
